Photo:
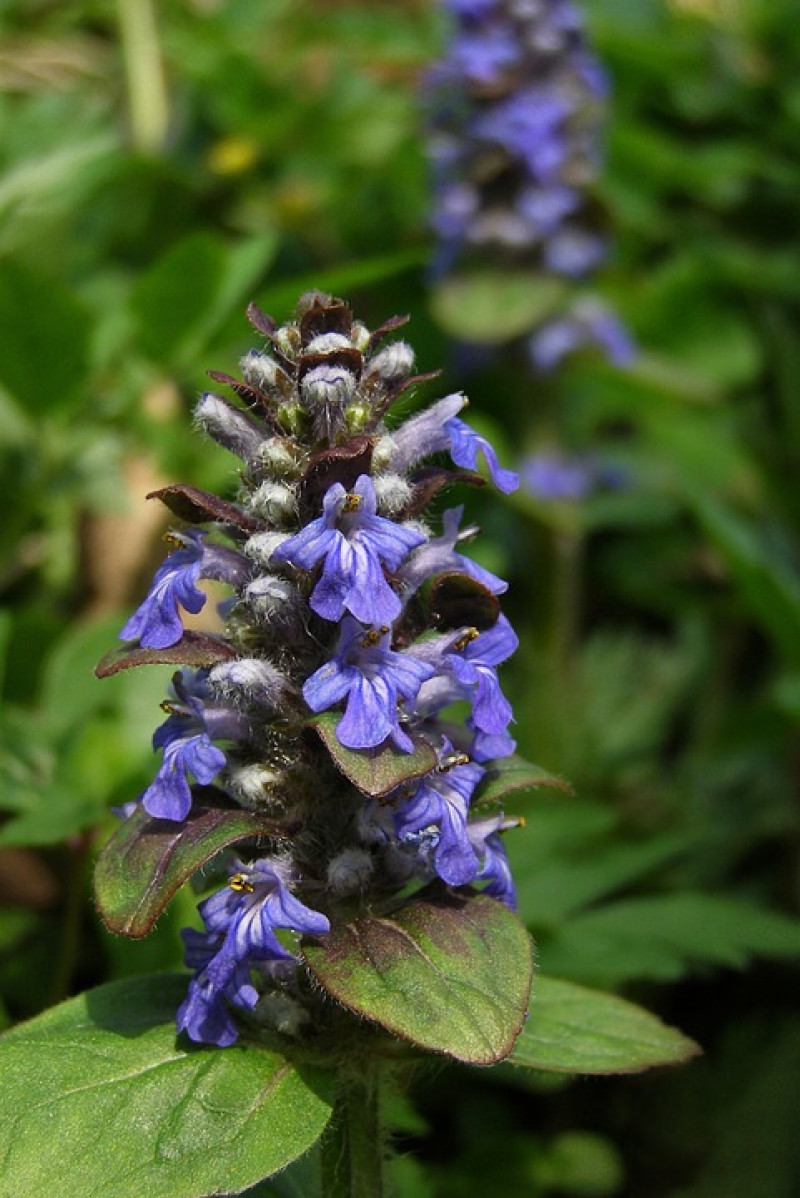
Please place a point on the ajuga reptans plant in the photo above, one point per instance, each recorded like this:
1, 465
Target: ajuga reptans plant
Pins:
308, 772
515, 115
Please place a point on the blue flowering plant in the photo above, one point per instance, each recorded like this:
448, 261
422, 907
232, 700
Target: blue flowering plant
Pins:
334, 762
311, 772
515, 113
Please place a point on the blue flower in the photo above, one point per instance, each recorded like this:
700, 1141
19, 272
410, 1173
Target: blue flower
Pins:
435, 818
439, 428
466, 444
354, 544
240, 926
485, 838
373, 677
157, 622
465, 666
185, 738
439, 556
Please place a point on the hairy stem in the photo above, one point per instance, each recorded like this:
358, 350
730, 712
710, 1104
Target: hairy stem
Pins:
352, 1150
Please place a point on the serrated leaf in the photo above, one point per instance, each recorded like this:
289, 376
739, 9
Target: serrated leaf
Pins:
492, 306
147, 860
511, 774
571, 1029
374, 771
450, 973
99, 1100
193, 649
662, 937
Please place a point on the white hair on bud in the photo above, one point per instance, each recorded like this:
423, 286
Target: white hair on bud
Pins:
328, 386
383, 453
328, 343
249, 678
260, 370
261, 546
393, 494
394, 362
275, 457
229, 427
253, 784
349, 872
275, 502
282, 1012
273, 598
359, 335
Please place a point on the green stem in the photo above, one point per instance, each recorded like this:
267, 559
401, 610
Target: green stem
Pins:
566, 601
352, 1151
69, 941
147, 92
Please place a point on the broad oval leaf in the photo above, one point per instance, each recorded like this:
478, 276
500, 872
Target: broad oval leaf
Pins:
374, 772
193, 649
99, 1100
492, 306
448, 972
510, 774
572, 1029
147, 860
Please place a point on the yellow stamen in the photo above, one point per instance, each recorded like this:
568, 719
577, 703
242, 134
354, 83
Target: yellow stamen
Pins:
466, 638
241, 884
352, 503
450, 763
374, 636
174, 540
167, 707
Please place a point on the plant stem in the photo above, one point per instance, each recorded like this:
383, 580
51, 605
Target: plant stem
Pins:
352, 1150
147, 92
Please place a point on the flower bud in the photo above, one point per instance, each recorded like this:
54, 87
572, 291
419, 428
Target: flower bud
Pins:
276, 502
394, 362
350, 872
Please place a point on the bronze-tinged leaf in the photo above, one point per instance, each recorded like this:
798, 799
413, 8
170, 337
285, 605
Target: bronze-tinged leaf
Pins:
377, 771
147, 860
399, 387
260, 321
429, 482
196, 506
325, 315
196, 649
349, 357
342, 464
250, 396
389, 326
448, 972
458, 601
511, 774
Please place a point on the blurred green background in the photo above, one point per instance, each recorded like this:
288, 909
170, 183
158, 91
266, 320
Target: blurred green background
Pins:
158, 174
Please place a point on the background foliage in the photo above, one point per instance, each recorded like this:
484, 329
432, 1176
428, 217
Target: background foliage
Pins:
154, 181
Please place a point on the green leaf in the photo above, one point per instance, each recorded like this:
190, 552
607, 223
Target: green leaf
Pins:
511, 774
448, 972
660, 938
574, 1030
186, 295
100, 1101
147, 860
43, 324
490, 306
374, 771
768, 586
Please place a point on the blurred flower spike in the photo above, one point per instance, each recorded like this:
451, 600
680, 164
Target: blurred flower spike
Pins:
515, 113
